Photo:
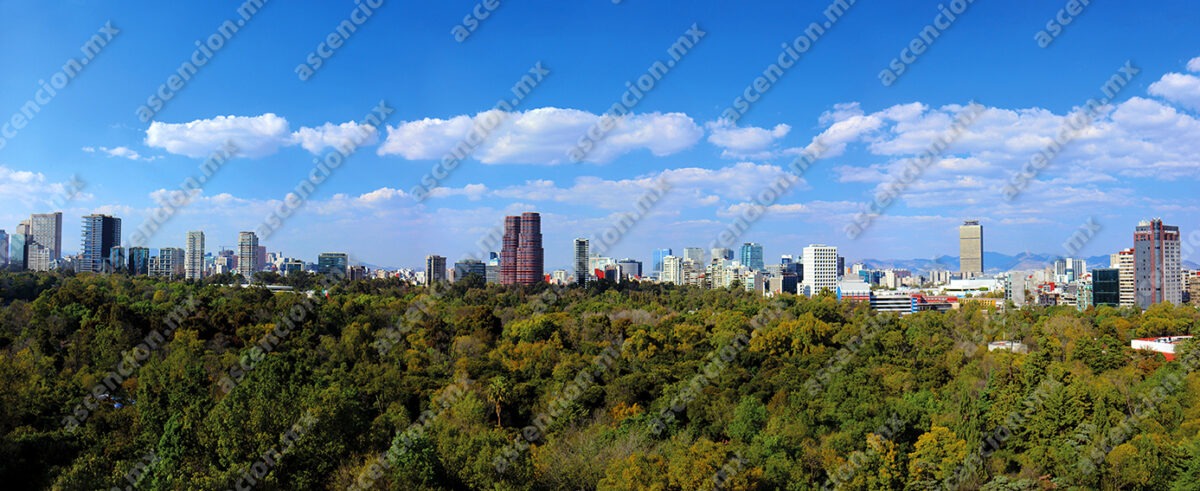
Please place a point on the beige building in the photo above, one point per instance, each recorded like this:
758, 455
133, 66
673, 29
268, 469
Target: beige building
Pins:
970, 249
1126, 274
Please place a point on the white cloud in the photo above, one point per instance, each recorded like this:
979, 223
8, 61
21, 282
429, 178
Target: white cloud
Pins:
253, 136
540, 136
745, 143
334, 136
34, 191
1193, 65
1178, 88
121, 152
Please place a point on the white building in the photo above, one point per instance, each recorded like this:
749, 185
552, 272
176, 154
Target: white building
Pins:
672, 270
820, 269
194, 257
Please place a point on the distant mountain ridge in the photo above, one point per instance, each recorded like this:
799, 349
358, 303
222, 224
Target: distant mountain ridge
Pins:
993, 262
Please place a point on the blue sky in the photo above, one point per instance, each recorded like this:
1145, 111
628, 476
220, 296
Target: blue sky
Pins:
1138, 159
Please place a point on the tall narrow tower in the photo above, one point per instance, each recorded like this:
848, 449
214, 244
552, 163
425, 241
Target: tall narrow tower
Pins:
247, 254
194, 260
581, 261
970, 249
530, 255
1157, 263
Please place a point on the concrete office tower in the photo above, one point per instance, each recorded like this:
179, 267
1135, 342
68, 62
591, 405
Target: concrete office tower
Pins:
193, 267
1127, 277
247, 254
435, 269
656, 262
100, 234
581, 261
672, 270
722, 253
695, 254
1157, 263
508, 250
970, 249
752, 256
820, 268
334, 263
45, 246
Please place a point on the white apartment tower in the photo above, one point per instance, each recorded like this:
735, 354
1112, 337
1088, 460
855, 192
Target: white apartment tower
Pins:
194, 261
820, 268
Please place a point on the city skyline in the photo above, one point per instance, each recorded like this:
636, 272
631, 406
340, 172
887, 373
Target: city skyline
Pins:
75, 155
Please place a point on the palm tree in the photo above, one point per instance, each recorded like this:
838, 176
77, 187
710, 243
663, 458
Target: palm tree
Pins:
497, 393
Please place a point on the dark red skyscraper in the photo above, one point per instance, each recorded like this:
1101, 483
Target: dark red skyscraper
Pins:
529, 250
508, 251
521, 256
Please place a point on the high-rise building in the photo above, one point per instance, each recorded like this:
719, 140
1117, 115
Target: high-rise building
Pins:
435, 269
522, 257
530, 256
656, 262
1157, 263
139, 261
752, 256
100, 234
3, 248
260, 258
1127, 276
334, 263
581, 261
722, 253
467, 267
18, 250
1106, 287
695, 254
630, 268
169, 263
509, 244
116, 259
247, 254
193, 267
820, 268
970, 249
672, 270
45, 246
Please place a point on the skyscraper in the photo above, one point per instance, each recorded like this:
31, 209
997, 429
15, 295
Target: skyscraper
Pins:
820, 268
508, 250
247, 254
522, 257
3, 248
194, 260
970, 249
581, 261
530, 256
45, 247
672, 270
1157, 263
656, 262
435, 269
18, 249
100, 234
169, 263
139, 261
695, 254
1127, 277
752, 256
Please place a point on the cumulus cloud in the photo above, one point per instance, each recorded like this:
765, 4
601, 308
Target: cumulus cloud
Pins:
745, 143
253, 136
33, 189
538, 136
334, 136
1179, 88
